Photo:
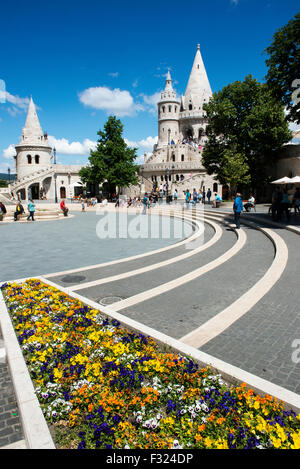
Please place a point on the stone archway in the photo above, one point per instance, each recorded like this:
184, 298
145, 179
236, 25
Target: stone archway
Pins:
62, 192
33, 191
46, 185
188, 133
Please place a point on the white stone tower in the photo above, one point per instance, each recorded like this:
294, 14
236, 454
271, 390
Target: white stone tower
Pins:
33, 151
168, 115
198, 92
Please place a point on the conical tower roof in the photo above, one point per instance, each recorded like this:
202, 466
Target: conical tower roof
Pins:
169, 94
198, 88
32, 131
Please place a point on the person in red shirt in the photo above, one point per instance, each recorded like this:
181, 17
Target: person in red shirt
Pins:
64, 208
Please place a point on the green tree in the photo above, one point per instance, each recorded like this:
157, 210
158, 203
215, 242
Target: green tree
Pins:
246, 128
112, 160
283, 64
3, 183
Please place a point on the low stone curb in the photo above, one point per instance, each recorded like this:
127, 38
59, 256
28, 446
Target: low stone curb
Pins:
36, 432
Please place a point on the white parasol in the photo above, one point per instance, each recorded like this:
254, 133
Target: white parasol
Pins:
284, 180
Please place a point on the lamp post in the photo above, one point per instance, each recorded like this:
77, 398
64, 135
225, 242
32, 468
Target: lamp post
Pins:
142, 175
173, 170
8, 175
168, 155
55, 175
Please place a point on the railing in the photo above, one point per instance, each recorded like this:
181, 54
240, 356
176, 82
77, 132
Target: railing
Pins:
191, 114
186, 165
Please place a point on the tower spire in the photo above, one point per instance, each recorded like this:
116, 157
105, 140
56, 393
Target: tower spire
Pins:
168, 86
32, 130
198, 84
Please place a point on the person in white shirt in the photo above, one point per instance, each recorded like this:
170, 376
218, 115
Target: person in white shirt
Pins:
250, 204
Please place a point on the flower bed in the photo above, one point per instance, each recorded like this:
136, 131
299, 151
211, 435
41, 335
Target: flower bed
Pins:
101, 386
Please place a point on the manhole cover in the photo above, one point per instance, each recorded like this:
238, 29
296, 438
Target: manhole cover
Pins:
109, 300
73, 278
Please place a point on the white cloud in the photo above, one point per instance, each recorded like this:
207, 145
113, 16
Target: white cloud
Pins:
20, 103
148, 142
4, 167
144, 144
9, 152
151, 101
17, 104
114, 74
64, 147
116, 101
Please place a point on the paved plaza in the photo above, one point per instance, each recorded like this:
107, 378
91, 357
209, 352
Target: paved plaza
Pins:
230, 293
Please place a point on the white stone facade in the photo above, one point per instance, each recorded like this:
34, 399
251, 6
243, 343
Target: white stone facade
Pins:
37, 175
177, 156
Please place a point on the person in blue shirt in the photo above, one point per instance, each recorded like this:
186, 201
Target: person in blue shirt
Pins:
145, 203
187, 198
238, 208
31, 210
217, 201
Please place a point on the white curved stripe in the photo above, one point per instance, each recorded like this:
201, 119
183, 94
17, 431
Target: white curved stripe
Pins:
127, 259
240, 307
131, 273
165, 287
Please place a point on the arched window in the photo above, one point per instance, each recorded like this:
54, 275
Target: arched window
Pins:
173, 157
200, 133
215, 187
170, 108
182, 157
163, 109
175, 109
29, 159
37, 159
190, 107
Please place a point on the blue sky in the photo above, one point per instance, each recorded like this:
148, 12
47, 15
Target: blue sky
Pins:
82, 61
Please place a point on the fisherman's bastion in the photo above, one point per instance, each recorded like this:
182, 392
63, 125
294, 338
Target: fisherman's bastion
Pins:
175, 162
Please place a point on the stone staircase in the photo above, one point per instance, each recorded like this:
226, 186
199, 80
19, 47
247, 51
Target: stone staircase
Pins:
39, 215
31, 178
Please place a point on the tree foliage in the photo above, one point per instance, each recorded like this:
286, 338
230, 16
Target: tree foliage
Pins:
246, 128
283, 64
112, 160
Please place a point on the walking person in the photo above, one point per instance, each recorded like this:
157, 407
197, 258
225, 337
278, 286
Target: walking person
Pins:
200, 196
188, 198
31, 210
203, 196
208, 195
285, 205
145, 204
195, 197
238, 208
175, 196
296, 201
